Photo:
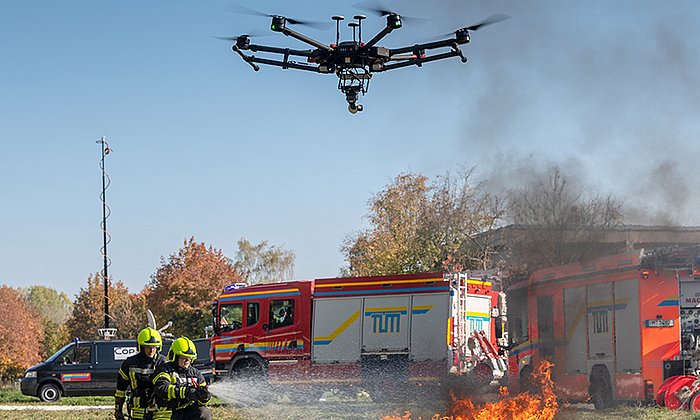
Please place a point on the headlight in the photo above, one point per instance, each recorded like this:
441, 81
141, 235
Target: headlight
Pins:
31, 374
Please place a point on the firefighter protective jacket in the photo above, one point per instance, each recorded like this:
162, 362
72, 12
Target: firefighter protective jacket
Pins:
136, 372
175, 389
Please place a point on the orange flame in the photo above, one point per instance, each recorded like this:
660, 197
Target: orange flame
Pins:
525, 406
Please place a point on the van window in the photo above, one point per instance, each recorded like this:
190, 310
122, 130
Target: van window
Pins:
281, 313
253, 314
231, 316
77, 355
58, 353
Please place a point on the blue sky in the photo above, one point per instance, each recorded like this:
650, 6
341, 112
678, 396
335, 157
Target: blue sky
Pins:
205, 147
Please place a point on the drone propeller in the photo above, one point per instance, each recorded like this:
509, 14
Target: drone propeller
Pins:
377, 8
248, 11
255, 33
495, 18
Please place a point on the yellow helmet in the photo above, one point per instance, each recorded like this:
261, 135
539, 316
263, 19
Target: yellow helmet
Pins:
183, 346
149, 337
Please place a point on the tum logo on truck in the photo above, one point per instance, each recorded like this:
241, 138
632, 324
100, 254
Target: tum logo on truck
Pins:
386, 320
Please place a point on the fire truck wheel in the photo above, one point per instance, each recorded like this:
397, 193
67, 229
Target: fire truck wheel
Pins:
247, 369
526, 383
601, 389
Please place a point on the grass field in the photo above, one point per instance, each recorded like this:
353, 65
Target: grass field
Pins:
334, 409
348, 412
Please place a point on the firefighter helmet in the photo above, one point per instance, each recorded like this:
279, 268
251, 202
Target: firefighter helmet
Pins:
184, 347
149, 337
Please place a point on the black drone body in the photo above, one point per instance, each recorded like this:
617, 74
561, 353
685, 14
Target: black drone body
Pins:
354, 61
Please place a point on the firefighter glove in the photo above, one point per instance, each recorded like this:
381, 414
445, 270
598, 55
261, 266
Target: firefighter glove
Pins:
203, 394
191, 393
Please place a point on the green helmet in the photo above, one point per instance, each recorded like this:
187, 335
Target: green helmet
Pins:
148, 337
183, 346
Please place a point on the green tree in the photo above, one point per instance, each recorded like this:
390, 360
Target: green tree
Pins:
21, 333
50, 303
417, 226
88, 312
263, 263
55, 309
183, 287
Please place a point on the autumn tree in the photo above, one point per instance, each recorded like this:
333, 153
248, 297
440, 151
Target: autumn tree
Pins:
126, 312
263, 263
558, 222
21, 334
418, 226
55, 309
183, 287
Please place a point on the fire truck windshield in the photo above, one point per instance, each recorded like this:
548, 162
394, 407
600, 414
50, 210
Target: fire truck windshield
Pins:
231, 316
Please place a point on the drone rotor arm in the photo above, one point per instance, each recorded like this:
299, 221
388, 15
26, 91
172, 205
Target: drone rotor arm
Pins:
251, 59
399, 57
426, 46
418, 61
384, 32
303, 38
277, 50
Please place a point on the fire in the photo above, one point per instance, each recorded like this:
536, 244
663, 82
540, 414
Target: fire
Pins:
525, 406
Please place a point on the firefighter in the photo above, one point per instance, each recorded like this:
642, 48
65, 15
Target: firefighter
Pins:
181, 390
136, 373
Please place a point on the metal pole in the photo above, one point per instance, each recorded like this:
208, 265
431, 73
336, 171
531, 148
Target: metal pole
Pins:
105, 151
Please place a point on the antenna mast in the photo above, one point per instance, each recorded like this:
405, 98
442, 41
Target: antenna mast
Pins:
106, 238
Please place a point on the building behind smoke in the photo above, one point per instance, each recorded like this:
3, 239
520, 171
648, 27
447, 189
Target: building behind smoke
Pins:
523, 249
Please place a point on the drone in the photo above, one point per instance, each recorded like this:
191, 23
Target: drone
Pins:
354, 62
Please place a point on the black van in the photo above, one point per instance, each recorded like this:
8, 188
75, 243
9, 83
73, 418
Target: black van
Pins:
80, 368
86, 368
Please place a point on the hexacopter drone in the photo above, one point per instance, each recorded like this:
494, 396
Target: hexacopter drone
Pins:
353, 61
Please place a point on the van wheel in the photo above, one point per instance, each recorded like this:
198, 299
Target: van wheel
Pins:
49, 393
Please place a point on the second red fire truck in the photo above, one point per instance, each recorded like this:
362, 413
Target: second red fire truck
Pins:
615, 328
378, 333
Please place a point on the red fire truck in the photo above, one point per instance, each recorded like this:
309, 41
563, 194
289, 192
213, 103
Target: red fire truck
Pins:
373, 332
613, 327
